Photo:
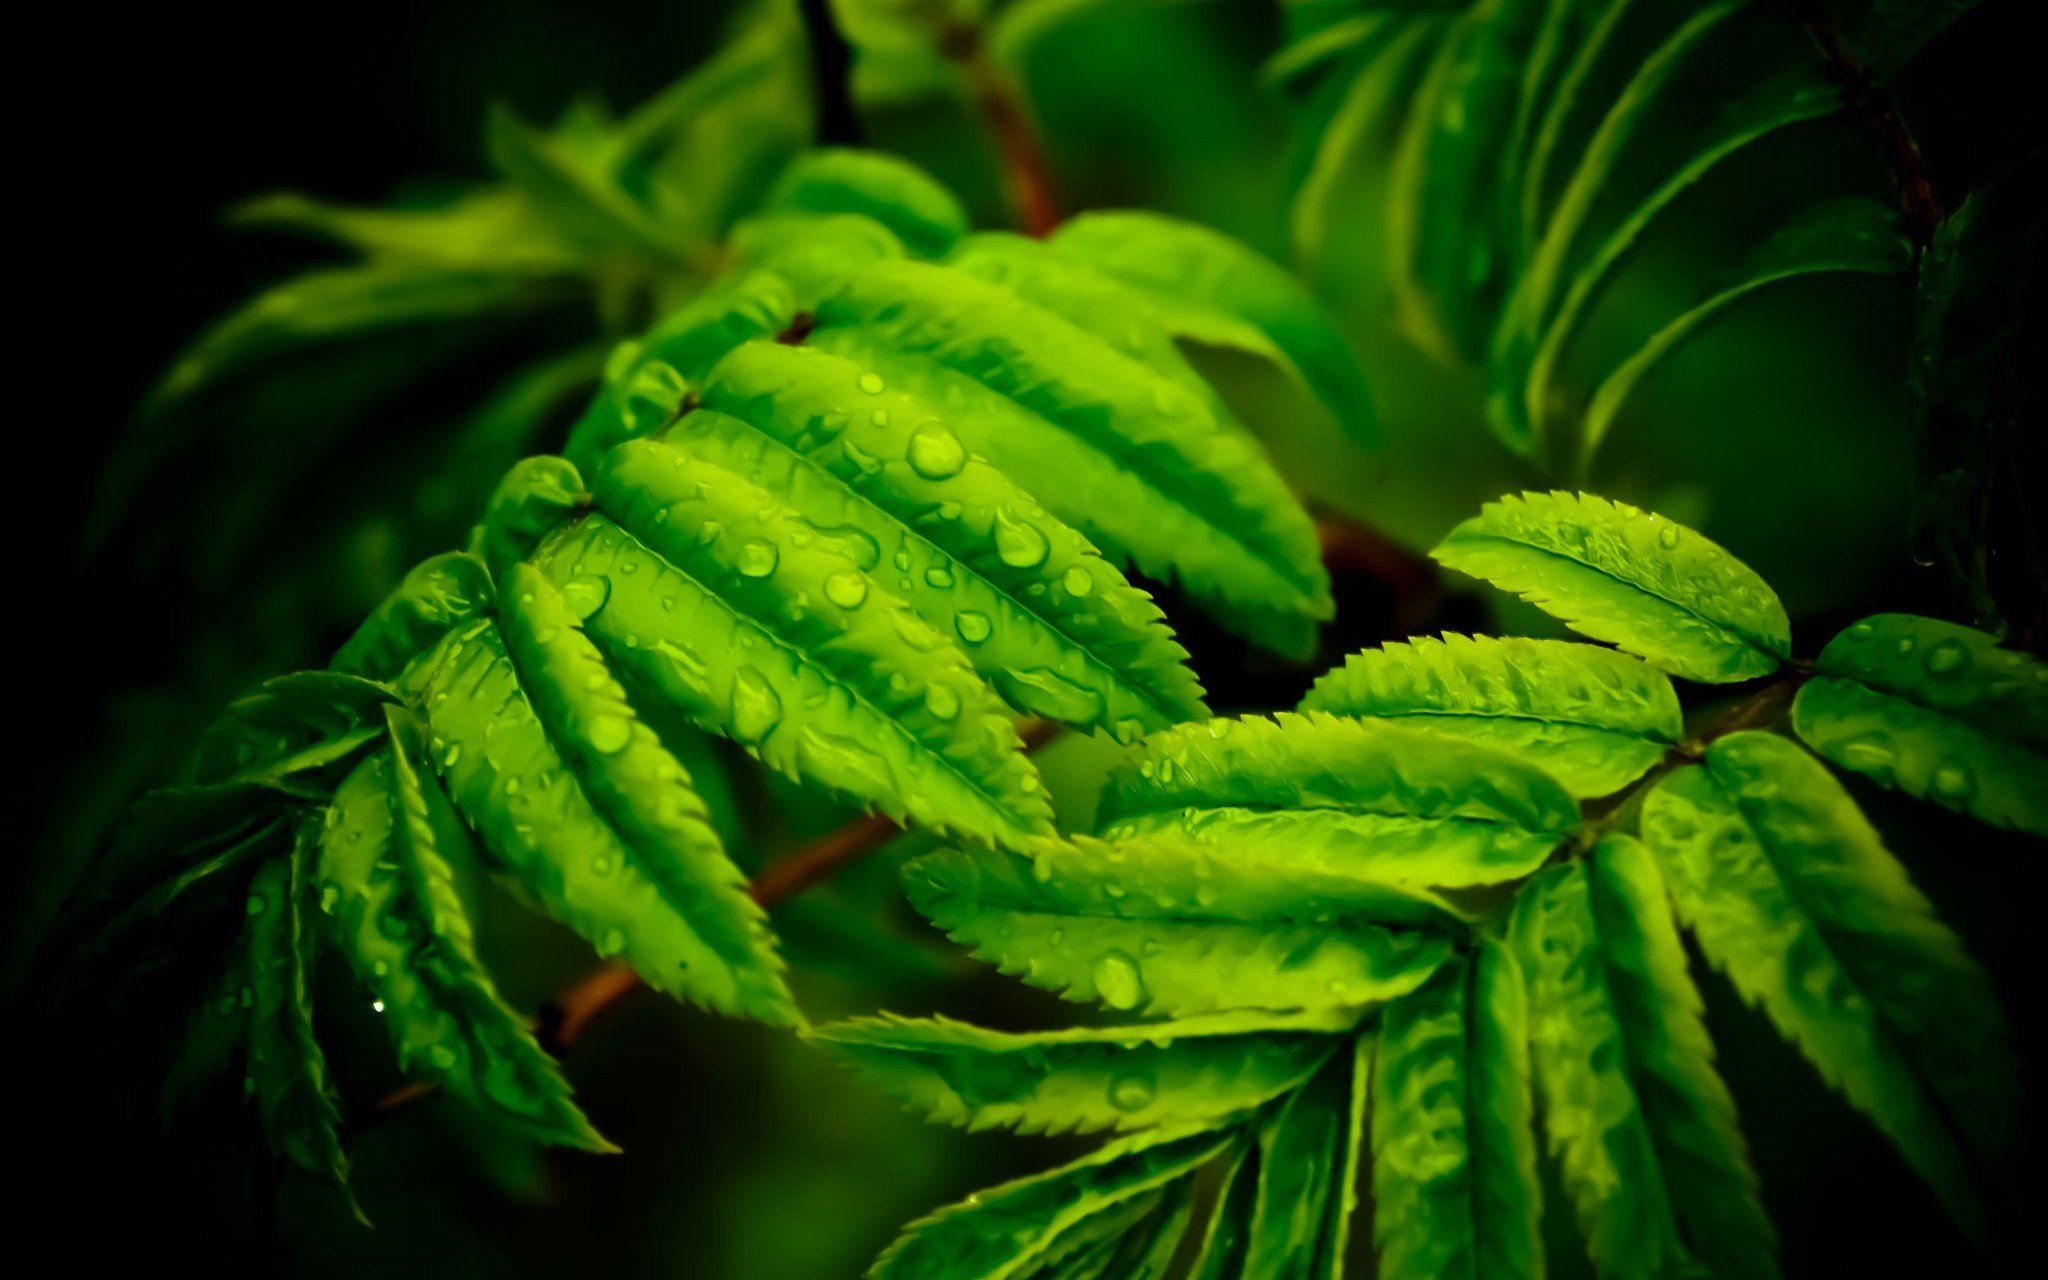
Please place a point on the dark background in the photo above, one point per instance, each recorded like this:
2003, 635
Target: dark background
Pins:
744, 1157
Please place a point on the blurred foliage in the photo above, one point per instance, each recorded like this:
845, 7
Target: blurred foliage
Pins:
251, 549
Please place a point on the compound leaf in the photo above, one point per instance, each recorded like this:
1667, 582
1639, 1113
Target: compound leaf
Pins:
730, 606
1127, 455
1054, 627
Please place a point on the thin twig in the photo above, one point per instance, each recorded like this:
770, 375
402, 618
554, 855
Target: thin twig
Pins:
1873, 105
1027, 174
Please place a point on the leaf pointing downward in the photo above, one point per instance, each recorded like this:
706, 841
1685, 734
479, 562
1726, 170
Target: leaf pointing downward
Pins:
1790, 891
1640, 1122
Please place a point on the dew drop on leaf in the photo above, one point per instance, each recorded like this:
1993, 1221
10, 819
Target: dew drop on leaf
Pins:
935, 453
1117, 981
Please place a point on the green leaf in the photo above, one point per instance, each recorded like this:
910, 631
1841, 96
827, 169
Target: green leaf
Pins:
812, 251
1631, 578
1086, 296
1211, 289
1131, 458
1454, 1163
539, 820
438, 594
757, 304
721, 601
1055, 628
648, 800
388, 880
1537, 328
1195, 1071
287, 1070
1791, 892
1593, 719
1174, 928
899, 195
588, 207
1854, 234
343, 303
1640, 1122
1230, 1223
1339, 800
1006, 1231
489, 228
1308, 1152
1937, 711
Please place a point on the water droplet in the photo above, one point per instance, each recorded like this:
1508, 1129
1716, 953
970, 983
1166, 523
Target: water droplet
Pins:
1668, 536
935, 453
1953, 781
1132, 1092
1947, 658
871, 383
973, 627
757, 558
1078, 581
1019, 543
941, 701
847, 589
756, 709
1117, 982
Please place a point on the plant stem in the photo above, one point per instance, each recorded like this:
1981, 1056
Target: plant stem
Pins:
1026, 172
831, 76
1873, 105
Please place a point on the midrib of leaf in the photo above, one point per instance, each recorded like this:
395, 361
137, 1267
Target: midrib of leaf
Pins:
1515, 717
1167, 713
1689, 611
854, 692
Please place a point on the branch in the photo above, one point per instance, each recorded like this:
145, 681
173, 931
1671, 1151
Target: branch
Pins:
1026, 172
1873, 105
831, 76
